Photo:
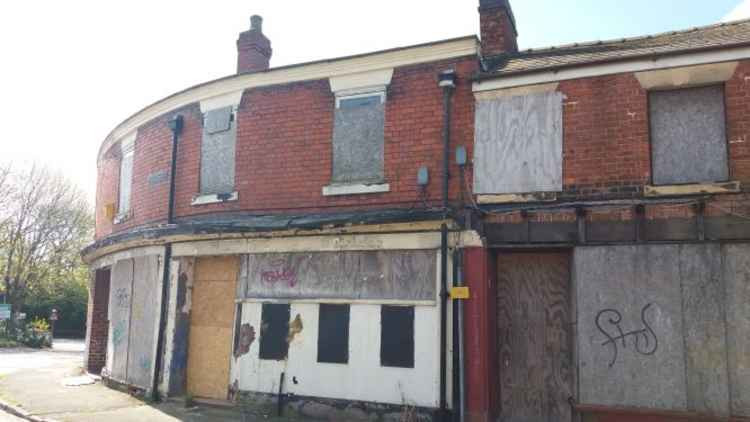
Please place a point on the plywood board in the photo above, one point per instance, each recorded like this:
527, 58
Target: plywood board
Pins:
688, 135
211, 320
144, 320
387, 275
737, 277
535, 341
518, 144
704, 329
630, 342
121, 291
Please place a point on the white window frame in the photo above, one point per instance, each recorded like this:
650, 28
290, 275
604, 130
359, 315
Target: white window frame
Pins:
127, 150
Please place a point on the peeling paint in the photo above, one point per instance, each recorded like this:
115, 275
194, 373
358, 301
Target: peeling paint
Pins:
188, 293
247, 337
294, 328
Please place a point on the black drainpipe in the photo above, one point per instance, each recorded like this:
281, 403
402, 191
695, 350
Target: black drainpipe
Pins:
175, 125
447, 81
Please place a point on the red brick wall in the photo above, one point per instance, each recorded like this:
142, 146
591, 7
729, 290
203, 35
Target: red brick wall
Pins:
737, 95
496, 29
97, 323
284, 149
605, 136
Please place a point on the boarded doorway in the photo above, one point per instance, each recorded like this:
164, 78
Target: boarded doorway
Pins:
211, 320
535, 342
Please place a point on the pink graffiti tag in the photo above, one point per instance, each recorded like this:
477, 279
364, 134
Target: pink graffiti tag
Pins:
282, 275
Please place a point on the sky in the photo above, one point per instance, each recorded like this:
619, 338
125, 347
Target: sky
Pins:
70, 71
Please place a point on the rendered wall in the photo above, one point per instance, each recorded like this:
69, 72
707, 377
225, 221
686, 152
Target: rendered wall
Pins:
362, 378
664, 326
407, 278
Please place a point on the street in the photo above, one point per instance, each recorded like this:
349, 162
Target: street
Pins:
50, 384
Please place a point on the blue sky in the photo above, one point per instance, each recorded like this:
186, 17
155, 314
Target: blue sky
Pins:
544, 23
82, 67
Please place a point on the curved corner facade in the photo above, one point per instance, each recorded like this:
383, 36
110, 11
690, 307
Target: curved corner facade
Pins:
455, 227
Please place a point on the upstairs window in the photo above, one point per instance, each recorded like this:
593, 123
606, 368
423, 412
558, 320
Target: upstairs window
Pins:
218, 151
518, 144
127, 151
358, 137
688, 136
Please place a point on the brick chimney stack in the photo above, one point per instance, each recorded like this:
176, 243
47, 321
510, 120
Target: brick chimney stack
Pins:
497, 27
253, 48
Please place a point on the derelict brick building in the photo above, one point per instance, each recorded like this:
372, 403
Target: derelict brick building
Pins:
312, 218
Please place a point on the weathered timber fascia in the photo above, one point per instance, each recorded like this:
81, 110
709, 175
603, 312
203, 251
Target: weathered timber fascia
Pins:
517, 198
692, 189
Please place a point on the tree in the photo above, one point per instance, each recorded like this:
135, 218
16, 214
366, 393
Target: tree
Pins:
44, 223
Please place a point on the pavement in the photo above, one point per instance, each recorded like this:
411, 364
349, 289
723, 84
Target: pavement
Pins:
34, 381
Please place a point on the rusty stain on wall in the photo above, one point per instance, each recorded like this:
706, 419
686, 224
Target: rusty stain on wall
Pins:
247, 337
294, 328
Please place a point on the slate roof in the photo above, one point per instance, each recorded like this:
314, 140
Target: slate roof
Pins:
708, 37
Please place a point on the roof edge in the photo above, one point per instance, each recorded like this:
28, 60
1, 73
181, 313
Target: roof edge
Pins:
319, 69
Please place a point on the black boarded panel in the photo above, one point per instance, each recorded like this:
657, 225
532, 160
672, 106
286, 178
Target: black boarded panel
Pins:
333, 333
671, 229
610, 231
553, 232
397, 336
535, 344
274, 331
727, 228
507, 233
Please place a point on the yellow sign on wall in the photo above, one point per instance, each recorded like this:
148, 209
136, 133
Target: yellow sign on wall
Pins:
459, 292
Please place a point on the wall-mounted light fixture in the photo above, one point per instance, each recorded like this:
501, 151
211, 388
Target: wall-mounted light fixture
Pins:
461, 155
423, 176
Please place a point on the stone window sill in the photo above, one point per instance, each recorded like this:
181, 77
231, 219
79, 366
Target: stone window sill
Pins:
516, 198
355, 189
692, 189
215, 198
121, 218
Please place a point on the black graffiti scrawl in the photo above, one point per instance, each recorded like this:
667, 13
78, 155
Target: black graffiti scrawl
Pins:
609, 323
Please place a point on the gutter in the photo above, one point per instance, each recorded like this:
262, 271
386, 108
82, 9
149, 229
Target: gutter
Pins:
175, 125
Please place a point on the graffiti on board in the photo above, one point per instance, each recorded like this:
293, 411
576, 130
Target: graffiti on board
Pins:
279, 272
644, 340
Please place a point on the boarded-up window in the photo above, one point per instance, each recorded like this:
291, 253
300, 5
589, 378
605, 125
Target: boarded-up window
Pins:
358, 133
688, 136
126, 178
333, 333
218, 151
397, 336
274, 331
518, 144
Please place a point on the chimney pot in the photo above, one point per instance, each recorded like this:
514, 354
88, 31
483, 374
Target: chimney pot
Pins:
256, 23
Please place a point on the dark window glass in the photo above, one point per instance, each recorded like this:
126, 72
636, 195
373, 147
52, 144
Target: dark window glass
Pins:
397, 336
274, 330
333, 334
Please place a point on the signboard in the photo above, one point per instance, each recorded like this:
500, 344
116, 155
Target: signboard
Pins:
4, 311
